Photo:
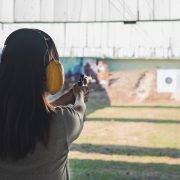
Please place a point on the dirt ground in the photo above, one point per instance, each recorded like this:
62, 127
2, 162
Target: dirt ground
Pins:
134, 87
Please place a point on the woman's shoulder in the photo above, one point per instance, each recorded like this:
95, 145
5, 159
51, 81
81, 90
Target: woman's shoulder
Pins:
64, 111
73, 123
58, 124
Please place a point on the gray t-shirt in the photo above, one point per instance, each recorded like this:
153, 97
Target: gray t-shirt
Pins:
51, 163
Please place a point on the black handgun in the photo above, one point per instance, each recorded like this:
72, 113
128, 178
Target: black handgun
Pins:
84, 80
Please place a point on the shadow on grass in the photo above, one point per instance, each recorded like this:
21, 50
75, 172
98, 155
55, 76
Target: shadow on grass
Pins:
113, 170
145, 106
126, 150
167, 121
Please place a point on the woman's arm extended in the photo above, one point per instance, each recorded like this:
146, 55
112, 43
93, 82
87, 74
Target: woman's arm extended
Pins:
65, 99
69, 97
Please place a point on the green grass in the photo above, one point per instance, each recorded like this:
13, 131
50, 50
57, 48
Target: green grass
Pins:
126, 150
110, 170
128, 142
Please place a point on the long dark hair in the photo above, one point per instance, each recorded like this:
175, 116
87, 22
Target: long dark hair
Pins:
25, 115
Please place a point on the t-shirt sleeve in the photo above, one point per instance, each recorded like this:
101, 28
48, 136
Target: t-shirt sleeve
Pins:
73, 123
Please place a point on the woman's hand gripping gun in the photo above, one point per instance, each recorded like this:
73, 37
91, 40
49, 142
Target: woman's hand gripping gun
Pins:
69, 98
84, 81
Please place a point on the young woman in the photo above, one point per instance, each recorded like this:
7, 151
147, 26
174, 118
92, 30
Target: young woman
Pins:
34, 135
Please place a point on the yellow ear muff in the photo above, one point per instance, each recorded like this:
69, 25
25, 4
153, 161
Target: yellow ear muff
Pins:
54, 76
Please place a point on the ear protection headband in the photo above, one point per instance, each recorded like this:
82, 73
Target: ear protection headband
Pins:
54, 69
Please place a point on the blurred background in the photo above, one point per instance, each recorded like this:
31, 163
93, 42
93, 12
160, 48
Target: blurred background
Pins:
131, 49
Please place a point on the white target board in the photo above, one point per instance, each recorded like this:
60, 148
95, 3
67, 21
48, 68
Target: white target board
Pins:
168, 80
